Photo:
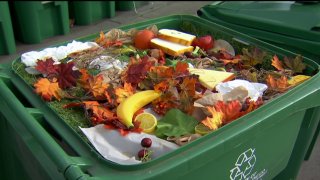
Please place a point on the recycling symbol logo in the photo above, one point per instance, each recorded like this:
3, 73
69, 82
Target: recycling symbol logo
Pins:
244, 165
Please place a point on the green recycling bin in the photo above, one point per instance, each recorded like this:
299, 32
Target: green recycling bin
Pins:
257, 145
129, 5
7, 42
88, 12
35, 21
291, 25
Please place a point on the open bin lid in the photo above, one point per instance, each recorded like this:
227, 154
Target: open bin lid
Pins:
296, 19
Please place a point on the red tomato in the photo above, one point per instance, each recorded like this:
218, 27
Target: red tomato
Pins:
205, 42
143, 38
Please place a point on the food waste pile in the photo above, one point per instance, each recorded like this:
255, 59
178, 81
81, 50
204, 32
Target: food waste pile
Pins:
139, 94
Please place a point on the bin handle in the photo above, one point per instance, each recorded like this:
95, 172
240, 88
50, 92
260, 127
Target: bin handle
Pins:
54, 151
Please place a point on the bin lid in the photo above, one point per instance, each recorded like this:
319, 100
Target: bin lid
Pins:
290, 18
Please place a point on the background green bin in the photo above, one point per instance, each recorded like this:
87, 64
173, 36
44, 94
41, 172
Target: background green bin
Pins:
7, 42
88, 12
257, 144
37, 20
291, 25
129, 5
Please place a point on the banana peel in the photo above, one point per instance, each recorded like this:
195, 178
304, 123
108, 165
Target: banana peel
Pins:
133, 103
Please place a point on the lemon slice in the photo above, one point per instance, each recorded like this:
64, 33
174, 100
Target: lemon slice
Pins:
148, 122
202, 129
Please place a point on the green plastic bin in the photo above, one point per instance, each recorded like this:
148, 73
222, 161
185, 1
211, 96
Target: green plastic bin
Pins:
257, 145
129, 5
291, 25
35, 21
7, 42
88, 12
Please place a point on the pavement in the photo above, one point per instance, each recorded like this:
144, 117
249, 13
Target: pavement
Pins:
310, 169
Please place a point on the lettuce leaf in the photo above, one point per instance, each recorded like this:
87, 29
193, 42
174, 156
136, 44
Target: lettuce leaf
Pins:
175, 123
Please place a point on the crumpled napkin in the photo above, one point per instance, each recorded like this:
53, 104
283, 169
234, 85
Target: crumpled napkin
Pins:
56, 53
255, 90
124, 149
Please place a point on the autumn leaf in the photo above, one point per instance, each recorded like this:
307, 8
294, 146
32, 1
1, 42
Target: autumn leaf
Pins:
296, 64
181, 68
46, 66
248, 75
231, 110
101, 37
95, 112
124, 92
137, 71
252, 57
164, 103
214, 121
187, 94
162, 86
230, 61
47, 89
84, 78
66, 76
276, 63
96, 86
277, 84
249, 106
111, 97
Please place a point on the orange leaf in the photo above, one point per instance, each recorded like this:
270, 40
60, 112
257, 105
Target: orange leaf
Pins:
181, 68
232, 61
230, 110
276, 63
162, 86
47, 89
281, 84
215, 120
123, 93
84, 78
96, 86
187, 94
97, 113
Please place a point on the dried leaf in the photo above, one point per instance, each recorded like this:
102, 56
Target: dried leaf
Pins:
96, 86
276, 63
66, 76
214, 121
137, 71
296, 64
277, 84
181, 68
187, 94
84, 78
252, 57
95, 112
47, 89
46, 66
124, 92
231, 110
164, 103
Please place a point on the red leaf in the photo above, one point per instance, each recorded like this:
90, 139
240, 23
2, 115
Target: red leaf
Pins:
66, 76
181, 68
137, 71
46, 66
230, 110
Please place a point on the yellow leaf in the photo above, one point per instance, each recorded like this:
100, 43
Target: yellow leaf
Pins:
295, 80
215, 121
